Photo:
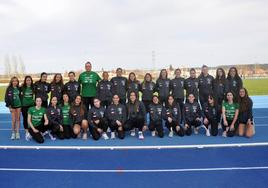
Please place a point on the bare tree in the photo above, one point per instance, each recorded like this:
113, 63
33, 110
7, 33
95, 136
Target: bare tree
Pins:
7, 66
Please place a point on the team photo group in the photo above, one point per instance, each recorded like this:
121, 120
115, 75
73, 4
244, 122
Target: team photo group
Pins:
94, 107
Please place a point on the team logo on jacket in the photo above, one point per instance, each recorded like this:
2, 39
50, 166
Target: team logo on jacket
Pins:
109, 86
101, 113
123, 82
196, 84
194, 109
167, 83
120, 110
234, 83
76, 87
182, 83
46, 88
209, 81
151, 86
175, 111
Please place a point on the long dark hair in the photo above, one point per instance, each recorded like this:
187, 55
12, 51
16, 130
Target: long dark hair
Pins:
244, 102
24, 85
42, 74
223, 77
136, 102
81, 106
160, 74
234, 98
54, 79
173, 104
11, 80
236, 73
214, 99
135, 79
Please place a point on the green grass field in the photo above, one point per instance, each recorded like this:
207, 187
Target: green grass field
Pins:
254, 86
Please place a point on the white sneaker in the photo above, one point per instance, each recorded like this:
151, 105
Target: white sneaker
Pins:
105, 136
207, 132
51, 136
108, 130
112, 135
224, 134
219, 126
28, 136
153, 133
17, 135
171, 133
195, 130
132, 132
13, 136
45, 133
141, 137
84, 137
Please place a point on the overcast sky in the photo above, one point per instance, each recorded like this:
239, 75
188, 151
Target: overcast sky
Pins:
63, 34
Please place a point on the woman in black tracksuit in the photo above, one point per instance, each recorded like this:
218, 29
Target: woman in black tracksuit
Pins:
245, 117
234, 82
41, 89
220, 86
211, 115
72, 87
97, 121
78, 117
133, 85
55, 119
116, 115
163, 86
177, 88
172, 116
156, 117
191, 115
57, 87
191, 85
147, 89
136, 115
104, 90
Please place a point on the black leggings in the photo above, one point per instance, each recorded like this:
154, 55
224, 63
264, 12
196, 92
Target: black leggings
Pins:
181, 104
114, 127
146, 104
93, 129
230, 133
214, 126
55, 130
68, 132
38, 137
24, 111
174, 125
134, 123
193, 123
157, 125
88, 101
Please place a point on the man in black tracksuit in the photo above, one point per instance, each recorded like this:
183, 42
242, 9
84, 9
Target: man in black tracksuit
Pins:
55, 121
177, 88
104, 90
191, 85
191, 115
156, 116
119, 86
173, 113
41, 89
116, 113
97, 120
72, 88
205, 85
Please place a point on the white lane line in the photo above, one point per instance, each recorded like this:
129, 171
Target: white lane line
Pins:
137, 147
134, 170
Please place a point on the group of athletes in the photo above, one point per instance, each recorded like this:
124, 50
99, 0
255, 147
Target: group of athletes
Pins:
98, 105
